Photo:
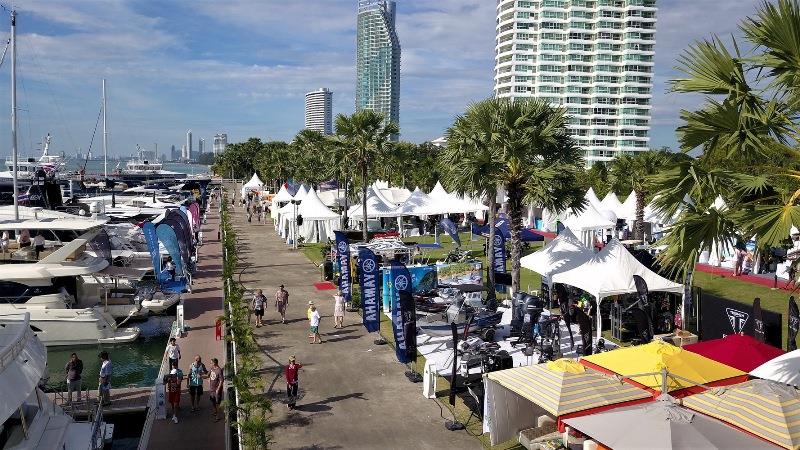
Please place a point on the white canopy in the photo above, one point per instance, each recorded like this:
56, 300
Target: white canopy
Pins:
283, 195
396, 196
312, 208
255, 183
592, 198
588, 219
333, 197
610, 202
319, 222
301, 193
418, 204
563, 253
438, 192
627, 210
443, 202
376, 208
783, 369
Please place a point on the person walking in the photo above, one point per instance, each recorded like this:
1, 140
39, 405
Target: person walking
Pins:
338, 310
216, 378
281, 302
314, 325
258, 211
259, 304
292, 381
170, 268
38, 244
197, 371
74, 369
173, 352
104, 385
308, 316
172, 384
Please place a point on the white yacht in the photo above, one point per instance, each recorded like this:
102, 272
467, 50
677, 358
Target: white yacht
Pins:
27, 168
28, 418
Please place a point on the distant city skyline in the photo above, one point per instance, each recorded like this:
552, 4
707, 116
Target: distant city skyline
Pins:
248, 72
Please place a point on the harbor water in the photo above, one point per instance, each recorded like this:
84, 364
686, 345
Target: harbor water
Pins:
96, 167
135, 364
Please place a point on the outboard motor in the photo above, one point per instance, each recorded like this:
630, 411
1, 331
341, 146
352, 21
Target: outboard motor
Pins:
517, 314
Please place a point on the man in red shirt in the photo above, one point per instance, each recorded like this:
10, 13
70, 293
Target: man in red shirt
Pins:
292, 381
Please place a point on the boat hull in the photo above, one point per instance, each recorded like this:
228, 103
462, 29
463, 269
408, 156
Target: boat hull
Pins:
62, 327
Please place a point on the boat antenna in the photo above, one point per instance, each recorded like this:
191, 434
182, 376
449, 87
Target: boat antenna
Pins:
89, 152
105, 135
14, 107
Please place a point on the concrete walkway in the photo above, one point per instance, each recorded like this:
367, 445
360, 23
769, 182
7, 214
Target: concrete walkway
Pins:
353, 394
201, 308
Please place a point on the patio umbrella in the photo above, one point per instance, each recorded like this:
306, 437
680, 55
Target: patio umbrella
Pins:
661, 425
736, 350
688, 370
563, 387
783, 369
764, 408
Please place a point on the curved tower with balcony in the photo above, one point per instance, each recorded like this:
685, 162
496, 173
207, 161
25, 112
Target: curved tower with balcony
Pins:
378, 59
592, 57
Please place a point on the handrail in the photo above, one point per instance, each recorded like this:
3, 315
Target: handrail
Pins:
144, 439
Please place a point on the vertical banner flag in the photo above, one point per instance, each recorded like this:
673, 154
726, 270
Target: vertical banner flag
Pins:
368, 281
401, 280
758, 320
168, 237
450, 228
644, 299
180, 225
794, 324
499, 249
151, 237
343, 256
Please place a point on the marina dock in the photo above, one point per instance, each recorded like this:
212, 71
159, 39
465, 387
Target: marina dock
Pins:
125, 400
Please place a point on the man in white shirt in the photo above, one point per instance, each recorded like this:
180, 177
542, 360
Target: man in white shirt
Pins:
38, 244
106, 370
314, 319
173, 352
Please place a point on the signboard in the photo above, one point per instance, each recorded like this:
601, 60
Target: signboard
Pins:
720, 317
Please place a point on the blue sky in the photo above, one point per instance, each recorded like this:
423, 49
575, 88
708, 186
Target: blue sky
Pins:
243, 66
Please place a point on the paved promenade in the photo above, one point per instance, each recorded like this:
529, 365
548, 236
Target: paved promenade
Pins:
353, 394
201, 308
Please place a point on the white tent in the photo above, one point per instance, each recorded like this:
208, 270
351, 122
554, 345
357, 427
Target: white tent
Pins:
254, 184
783, 369
418, 204
319, 222
285, 218
283, 195
627, 210
396, 196
591, 197
563, 253
376, 208
332, 197
301, 193
611, 272
443, 202
589, 219
610, 202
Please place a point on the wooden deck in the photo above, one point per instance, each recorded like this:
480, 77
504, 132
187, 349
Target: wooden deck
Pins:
124, 400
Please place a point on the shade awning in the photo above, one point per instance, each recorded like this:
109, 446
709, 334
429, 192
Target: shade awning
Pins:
783, 369
561, 254
738, 351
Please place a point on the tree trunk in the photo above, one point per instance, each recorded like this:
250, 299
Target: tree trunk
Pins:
490, 245
514, 206
364, 201
346, 206
638, 232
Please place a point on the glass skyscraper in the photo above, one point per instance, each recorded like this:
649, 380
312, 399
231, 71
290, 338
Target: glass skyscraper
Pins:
378, 59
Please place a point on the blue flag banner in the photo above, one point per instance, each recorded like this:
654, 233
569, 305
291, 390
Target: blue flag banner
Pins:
401, 281
180, 224
368, 280
450, 228
343, 256
151, 238
499, 249
167, 237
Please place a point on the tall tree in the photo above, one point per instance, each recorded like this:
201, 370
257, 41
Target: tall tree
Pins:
310, 148
365, 135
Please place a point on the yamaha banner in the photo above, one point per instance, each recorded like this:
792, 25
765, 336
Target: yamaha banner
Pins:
794, 324
343, 256
758, 320
151, 237
499, 249
450, 228
368, 281
401, 280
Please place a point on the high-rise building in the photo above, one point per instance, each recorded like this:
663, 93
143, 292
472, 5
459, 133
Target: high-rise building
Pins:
184, 153
172, 155
200, 144
592, 57
189, 154
378, 59
319, 111
220, 142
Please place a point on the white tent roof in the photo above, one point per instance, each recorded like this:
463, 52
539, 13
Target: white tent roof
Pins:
438, 192
588, 219
443, 202
395, 196
592, 198
333, 197
312, 208
376, 207
610, 202
301, 193
419, 204
254, 182
283, 195
561, 254
783, 369
611, 272
627, 210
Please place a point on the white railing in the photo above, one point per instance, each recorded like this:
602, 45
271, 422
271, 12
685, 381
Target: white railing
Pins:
152, 403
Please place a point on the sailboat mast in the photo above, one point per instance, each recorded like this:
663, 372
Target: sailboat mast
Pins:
105, 135
14, 107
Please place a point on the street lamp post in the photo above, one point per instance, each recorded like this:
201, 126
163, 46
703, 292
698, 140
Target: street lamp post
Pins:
294, 227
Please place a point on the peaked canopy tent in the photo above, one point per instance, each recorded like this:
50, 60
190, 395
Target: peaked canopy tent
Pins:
591, 197
735, 350
627, 210
319, 222
301, 193
254, 184
562, 389
783, 369
584, 223
282, 196
446, 203
610, 203
377, 207
418, 204
286, 216
610, 272
561, 254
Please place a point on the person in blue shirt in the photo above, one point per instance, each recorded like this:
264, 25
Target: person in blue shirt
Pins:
197, 372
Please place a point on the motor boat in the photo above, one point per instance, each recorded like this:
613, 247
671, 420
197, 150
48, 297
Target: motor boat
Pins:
29, 420
138, 171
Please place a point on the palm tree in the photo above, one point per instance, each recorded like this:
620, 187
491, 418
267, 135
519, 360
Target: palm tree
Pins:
365, 134
309, 147
523, 146
633, 173
746, 131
